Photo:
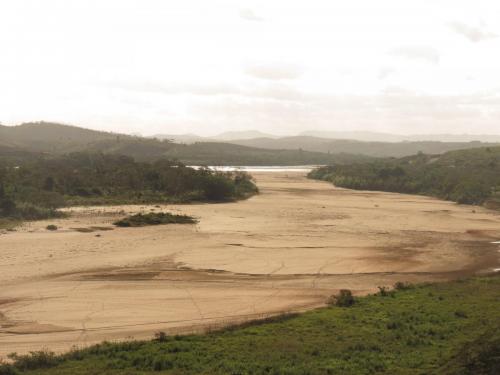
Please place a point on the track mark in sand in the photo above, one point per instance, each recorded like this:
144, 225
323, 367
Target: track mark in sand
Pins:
277, 269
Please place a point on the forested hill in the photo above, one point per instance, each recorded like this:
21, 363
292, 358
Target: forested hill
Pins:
52, 138
466, 176
34, 139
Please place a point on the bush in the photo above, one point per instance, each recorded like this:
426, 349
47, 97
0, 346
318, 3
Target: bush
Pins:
383, 291
153, 218
51, 227
343, 299
161, 336
34, 360
7, 369
400, 285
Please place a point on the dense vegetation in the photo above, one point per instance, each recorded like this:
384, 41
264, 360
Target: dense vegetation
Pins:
154, 218
466, 176
446, 328
35, 188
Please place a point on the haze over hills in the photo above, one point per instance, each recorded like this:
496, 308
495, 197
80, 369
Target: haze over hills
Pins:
364, 136
55, 138
375, 149
226, 136
388, 137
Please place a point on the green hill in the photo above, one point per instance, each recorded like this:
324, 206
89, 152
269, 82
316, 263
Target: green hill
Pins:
465, 176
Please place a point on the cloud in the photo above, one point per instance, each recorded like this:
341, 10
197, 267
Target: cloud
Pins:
269, 90
424, 53
395, 110
274, 71
249, 15
474, 34
174, 88
385, 72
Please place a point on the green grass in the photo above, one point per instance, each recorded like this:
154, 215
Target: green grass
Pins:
154, 218
446, 328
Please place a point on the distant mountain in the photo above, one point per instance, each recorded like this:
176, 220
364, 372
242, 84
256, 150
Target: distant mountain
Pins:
182, 138
375, 149
387, 137
364, 136
456, 137
246, 134
226, 136
354, 135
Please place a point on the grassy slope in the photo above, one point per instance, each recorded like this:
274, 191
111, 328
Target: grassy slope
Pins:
447, 328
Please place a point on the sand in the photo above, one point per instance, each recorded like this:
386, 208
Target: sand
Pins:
286, 249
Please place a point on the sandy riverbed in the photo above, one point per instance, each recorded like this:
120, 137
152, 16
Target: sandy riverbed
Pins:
288, 248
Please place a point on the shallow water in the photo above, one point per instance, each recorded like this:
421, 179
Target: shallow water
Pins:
260, 168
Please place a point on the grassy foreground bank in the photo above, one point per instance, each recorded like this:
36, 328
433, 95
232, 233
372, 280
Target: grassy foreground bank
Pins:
446, 328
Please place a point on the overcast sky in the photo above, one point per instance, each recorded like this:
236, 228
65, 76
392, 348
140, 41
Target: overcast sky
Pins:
206, 66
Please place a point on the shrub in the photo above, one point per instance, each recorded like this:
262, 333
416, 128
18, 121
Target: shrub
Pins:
7, 369
34, 360
384, 291
400, 285
161, 336
343, 299
51, 227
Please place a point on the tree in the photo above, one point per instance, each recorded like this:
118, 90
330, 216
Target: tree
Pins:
49, 184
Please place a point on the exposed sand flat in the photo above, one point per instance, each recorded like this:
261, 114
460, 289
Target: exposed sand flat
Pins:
288, 248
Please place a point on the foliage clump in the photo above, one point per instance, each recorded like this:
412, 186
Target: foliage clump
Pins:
343, 299
154, 218
51, 227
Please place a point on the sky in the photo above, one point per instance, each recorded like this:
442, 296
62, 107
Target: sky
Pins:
282, 67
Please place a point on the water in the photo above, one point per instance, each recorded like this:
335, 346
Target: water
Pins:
260, 168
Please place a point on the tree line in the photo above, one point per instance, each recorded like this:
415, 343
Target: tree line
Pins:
36, 188
465, 176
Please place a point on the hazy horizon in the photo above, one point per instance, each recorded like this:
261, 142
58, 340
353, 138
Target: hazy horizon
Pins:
427, 67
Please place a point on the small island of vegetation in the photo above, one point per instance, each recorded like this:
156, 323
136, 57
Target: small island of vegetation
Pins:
154, 218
